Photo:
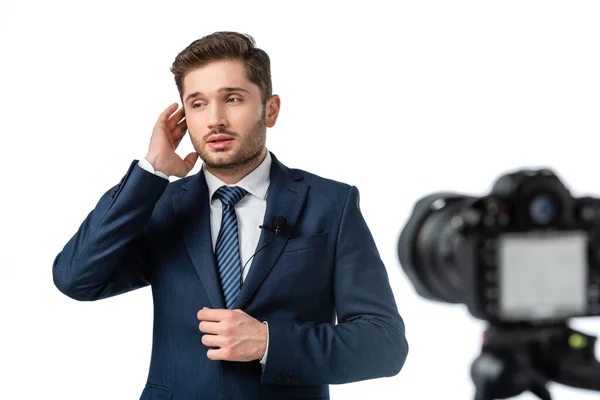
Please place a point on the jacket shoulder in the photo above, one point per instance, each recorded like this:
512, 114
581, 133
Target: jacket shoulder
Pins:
333, 191
173, 187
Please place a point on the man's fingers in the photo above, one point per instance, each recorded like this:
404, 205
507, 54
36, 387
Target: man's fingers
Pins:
176, 142
209, 327
212, 340
190, 160
212, 314
164, 116
178, 133
220, 354
175, 119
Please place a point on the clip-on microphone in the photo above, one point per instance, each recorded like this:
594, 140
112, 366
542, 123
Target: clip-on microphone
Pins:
279, 225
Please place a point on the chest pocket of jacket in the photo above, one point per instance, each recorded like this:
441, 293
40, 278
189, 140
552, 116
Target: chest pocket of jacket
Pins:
306, 242
306, 257
304, 262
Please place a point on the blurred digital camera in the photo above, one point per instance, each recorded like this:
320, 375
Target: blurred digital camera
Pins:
528, 252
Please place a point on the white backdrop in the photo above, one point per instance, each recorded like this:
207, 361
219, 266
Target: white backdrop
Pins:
399, 101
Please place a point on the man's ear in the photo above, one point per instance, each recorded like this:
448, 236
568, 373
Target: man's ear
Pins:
272, 110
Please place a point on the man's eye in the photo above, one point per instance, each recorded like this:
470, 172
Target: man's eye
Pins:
197, 105
231, 99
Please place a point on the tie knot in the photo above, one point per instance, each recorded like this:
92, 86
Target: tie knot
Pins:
230, 195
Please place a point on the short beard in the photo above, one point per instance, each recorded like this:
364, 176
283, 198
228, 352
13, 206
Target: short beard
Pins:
247, 155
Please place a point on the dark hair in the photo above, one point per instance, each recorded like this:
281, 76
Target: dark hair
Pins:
225, 46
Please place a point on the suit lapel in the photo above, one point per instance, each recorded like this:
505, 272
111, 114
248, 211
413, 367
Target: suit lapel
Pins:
286, 198
192, 213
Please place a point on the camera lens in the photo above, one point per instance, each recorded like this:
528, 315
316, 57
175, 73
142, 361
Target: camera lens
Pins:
542, 209
428, 247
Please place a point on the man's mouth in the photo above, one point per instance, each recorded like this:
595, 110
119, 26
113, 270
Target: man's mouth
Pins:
219, 142
219, 137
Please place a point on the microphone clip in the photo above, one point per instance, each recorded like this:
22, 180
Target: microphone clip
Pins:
278, 227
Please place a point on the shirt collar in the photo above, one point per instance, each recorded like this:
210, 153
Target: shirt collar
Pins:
256, 183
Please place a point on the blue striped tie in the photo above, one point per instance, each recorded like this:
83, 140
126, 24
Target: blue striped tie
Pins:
227, 248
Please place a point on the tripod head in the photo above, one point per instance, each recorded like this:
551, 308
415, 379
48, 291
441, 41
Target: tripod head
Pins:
515, 359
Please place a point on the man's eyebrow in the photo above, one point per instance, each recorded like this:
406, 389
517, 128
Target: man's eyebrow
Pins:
233, 89
223, 89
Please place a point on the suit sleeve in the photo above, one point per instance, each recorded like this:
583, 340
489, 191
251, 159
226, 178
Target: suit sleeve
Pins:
107, 254
369, 339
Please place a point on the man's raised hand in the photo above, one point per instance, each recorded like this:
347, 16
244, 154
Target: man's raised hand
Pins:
166, 136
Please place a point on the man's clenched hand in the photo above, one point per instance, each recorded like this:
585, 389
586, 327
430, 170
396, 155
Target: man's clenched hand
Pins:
232, 335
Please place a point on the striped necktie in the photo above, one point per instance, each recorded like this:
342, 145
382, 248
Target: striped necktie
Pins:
227, 247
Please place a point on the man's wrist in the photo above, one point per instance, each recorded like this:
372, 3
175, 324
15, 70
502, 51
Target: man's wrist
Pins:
147, 165
263, 360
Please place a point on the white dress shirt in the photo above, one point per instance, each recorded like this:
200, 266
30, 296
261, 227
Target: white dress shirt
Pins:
250, 210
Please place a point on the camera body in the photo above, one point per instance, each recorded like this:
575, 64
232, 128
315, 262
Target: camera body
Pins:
527, 252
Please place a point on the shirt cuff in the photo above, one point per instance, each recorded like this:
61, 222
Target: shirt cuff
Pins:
145, 164
263, 361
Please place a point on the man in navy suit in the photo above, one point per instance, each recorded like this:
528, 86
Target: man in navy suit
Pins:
249, 262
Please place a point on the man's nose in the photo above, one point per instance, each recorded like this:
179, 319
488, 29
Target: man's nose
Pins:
216, 118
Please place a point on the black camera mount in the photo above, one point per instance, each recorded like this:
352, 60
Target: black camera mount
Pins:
515, 359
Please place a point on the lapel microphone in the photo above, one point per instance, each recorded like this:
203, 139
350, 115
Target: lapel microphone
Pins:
279, 225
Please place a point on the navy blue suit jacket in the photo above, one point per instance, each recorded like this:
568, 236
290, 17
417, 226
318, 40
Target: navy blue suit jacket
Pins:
147, 231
